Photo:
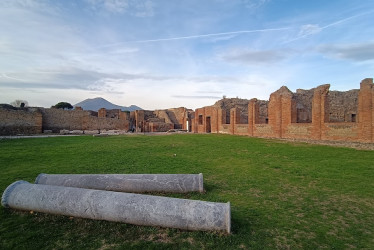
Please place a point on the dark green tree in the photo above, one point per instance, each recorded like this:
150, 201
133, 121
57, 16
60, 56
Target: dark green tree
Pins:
63, 105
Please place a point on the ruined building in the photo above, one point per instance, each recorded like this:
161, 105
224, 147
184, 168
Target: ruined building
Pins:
15, 121
318, 114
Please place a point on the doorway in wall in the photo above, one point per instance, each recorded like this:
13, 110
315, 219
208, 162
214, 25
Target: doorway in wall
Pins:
208, 125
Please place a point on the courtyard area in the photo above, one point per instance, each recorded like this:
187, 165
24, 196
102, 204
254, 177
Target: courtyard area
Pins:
283, 194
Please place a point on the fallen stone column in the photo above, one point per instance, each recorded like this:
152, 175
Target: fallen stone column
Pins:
132, 183
138, 209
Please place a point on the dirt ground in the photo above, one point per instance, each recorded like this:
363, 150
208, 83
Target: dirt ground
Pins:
343, 144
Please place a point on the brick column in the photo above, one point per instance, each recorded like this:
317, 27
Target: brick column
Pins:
274, 113
286, 116
318, 110
39, 122
220, 119
279, 105
372, 113
217, 118
252, 115
365, 110
193, 126
234, 118
232, 121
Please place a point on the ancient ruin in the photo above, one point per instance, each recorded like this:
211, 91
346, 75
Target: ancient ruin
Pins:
318, 114
137, 209
131, 183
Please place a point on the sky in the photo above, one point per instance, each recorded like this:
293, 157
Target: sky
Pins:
160, 54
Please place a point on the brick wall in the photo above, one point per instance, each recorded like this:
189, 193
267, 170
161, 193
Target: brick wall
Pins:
318, 114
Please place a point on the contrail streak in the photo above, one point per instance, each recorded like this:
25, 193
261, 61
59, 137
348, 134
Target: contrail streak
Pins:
197, 36
330, 25
346, 19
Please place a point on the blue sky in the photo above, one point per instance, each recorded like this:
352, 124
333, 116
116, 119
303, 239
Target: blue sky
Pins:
167, 53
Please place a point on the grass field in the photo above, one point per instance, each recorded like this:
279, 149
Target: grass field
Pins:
283, 195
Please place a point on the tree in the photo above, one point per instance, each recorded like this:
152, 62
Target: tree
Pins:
19, 103
63, 105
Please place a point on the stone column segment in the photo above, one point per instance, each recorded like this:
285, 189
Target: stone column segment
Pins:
132, 183
129, 208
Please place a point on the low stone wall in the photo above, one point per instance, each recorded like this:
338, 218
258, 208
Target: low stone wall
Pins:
14, 121
224, 129
298, 131
241, 129
263, 130
158, 127
58, 119
347, 131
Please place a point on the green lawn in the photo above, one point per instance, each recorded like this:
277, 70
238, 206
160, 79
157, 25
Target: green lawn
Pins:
283, 195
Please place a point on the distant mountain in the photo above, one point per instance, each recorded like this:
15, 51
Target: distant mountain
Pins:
97, 103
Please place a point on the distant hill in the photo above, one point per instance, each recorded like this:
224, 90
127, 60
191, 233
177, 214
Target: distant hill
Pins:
97, 103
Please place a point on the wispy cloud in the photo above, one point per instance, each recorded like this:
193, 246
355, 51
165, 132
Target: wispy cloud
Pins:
38, 5
196, 97
311, 29
140, 8
11, 78
198, 36
254, 4
114, 6
354, 52
254, 57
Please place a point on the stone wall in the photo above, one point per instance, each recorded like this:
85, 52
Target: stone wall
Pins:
160, 120
342, 106
303, 104
227, 104
15, 121
179, 117
57, 119
158, 127
262, 112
